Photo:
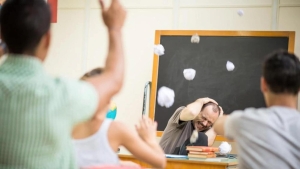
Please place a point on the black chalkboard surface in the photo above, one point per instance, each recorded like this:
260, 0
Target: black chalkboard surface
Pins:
233, 90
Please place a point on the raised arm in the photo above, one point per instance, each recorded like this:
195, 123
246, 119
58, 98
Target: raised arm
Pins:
111, 80
211, 134
219, 125
191, 111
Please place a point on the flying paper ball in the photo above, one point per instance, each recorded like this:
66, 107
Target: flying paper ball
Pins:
195, 38
229, 66
189, 74
225, 148
112, 111
165, 97
159, 50
194, 137
240, 12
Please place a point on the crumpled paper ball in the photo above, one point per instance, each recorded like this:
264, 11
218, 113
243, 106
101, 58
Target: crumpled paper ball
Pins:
230, 66
240, 12
165, 97
194, 137
195, 38
159, 50
225, 148
189, 74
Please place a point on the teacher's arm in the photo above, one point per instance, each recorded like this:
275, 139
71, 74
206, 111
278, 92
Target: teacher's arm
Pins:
211, 133
191, 111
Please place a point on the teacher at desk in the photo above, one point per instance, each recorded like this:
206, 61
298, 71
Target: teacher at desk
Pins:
199, 115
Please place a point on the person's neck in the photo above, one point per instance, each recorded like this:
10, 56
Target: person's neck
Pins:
37, 54
285, 100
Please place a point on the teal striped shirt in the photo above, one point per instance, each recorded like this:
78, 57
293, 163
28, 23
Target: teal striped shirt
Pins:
37, 114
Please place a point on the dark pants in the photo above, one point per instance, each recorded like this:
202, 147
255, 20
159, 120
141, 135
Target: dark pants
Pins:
201, 141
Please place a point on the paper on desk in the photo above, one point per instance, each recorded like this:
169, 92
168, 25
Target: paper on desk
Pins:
216, 159
225, 148
176, 156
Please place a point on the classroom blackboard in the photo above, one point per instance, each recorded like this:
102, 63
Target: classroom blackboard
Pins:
233, 90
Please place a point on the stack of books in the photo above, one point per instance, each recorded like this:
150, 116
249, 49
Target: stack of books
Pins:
202, 151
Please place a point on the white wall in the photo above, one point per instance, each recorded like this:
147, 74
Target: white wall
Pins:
288, 19
80, 38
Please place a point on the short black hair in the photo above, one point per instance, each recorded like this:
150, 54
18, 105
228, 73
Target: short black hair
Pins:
281, 70
23, 24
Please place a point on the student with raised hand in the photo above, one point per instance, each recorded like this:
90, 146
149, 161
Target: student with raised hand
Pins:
269, 137
97, 140
37, 111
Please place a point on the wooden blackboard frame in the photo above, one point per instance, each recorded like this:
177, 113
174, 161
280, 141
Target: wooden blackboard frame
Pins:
158, 33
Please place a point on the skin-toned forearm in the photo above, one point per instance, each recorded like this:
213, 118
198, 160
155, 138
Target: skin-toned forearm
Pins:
115, 60
161, 160
153, 144
191, 111
219, 125
111, 80
211, 136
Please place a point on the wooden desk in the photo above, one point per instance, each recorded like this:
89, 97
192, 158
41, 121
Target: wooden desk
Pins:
187, 164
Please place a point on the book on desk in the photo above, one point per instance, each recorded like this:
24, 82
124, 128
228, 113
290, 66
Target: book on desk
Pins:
202, 151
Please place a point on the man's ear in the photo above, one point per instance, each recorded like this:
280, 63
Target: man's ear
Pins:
263, 85
48, 39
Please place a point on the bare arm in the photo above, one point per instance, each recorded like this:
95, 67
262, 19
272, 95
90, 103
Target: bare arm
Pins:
146, 151
219, 125
193, 109
211, 135
111, 80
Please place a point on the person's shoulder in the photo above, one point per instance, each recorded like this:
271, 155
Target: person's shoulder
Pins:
249, 111
282, 108
246, 110
178, 111
255, 114
71, 86
175, 118
284, 112
238, 116
81, 95
266, 111
67, 82
121, 131
119, 127
117, 124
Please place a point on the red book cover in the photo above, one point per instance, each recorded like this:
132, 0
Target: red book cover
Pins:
202, 148
200, 152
